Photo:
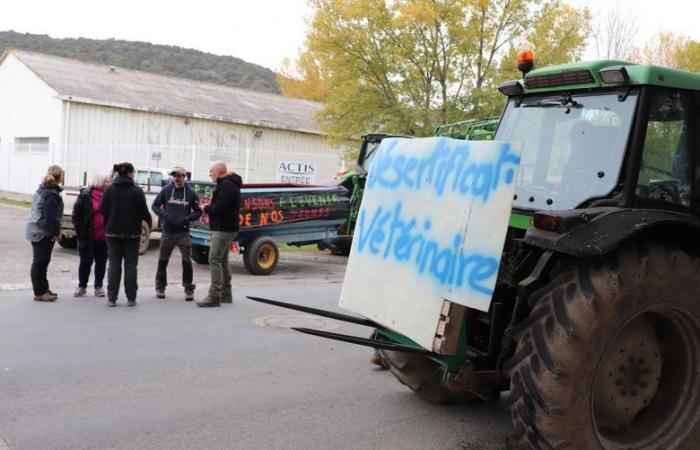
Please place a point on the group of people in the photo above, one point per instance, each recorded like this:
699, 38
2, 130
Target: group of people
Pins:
107, 217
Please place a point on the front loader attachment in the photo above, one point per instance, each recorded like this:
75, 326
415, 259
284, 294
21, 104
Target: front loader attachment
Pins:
374, 343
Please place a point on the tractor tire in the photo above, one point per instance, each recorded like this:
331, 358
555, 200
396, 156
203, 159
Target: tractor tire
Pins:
261, 256
68, 242
145, 240
200, 254
423, 376
610, 354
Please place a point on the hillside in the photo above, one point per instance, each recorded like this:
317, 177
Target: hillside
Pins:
163, 59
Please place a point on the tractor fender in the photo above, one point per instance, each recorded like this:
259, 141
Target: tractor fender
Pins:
598, 231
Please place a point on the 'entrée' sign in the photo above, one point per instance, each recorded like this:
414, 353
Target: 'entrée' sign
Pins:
296, 172
431, 227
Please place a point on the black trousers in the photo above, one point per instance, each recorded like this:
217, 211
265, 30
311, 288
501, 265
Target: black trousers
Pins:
168, 242
124, 250
89, 252
41, 257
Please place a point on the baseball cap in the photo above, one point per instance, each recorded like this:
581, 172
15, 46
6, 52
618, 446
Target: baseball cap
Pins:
178, 170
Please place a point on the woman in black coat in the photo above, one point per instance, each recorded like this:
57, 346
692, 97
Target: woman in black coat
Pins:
124, 208
43, 229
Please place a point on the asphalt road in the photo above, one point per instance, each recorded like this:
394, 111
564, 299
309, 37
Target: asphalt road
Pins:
76, 374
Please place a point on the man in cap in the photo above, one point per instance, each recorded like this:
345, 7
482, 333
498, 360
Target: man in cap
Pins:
177, 205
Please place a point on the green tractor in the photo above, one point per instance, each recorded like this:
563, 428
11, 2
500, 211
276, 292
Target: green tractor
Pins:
594, 325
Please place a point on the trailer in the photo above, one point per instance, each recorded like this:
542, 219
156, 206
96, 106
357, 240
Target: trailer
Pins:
272, 214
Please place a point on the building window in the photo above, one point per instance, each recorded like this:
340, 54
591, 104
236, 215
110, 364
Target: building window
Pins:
33, 144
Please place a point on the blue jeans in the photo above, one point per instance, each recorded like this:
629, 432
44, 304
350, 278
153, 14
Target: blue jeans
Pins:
93, 251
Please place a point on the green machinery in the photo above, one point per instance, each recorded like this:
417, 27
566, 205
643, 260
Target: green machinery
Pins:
594, 325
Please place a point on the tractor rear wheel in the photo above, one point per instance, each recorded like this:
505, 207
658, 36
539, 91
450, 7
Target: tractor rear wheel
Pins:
610, 354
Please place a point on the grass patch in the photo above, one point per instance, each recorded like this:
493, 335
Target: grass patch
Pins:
20, 203
294, 249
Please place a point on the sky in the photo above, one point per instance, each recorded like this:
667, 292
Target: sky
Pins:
264, 32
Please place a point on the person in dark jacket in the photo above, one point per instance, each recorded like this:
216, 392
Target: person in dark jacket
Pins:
177, 205
124, 207
223, 223
43, 229
89, 227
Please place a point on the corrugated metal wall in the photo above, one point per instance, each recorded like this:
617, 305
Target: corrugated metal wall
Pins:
98, 136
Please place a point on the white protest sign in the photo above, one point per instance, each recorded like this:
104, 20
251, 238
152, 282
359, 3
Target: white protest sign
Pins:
431, 227
296, 172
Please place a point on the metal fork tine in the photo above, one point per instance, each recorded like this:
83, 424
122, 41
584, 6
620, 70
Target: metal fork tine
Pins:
366, 342
319, 312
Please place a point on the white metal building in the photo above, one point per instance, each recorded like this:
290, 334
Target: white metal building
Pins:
88, 116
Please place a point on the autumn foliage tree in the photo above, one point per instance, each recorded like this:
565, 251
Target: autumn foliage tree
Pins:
405, 66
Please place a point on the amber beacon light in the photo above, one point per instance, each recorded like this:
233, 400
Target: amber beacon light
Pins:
526, 61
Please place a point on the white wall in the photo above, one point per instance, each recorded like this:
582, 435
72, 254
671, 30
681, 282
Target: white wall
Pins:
28, 108
98, 136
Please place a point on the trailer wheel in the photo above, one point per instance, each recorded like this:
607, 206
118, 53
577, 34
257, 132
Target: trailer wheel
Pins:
261, 256
200, 254
145, 237
423, 376
610, 354
71, 242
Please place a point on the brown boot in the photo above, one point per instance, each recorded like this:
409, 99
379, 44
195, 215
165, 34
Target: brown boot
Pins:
209, 302
45, 297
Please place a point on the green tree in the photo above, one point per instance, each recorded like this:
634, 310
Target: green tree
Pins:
405, 66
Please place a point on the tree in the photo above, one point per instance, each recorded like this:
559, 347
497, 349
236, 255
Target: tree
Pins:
558, 36
405, 66
688, 56
616, 34
307, 83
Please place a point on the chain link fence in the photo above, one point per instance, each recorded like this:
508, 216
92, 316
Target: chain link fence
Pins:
22, 166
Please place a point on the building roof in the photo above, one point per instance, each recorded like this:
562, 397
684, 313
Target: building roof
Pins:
98, 84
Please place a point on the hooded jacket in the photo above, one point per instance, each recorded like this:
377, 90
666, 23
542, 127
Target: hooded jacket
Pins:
45, 216
124, 206
176, 207
224, 205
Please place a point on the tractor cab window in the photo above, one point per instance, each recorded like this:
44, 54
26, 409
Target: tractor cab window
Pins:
573, 146
370, 152
664, 174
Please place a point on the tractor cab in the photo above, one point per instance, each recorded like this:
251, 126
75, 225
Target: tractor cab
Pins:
605, 133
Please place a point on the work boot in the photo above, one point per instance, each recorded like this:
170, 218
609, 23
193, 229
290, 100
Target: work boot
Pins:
131, 302
45, 297
160, 293
80, 292
53, 294
99, 292
226, 299
209, 302
189, 295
